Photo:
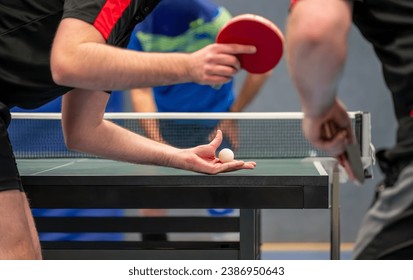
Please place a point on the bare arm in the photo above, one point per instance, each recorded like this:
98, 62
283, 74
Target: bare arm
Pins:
143, 101
85, 130
81, 59
316, 40
249, 90
316, 53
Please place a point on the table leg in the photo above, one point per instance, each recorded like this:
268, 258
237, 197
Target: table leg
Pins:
250, 234
335, 215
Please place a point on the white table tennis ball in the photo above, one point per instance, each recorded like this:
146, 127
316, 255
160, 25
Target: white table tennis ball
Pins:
226, 155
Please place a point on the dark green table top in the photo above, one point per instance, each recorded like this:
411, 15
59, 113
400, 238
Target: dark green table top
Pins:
101, 167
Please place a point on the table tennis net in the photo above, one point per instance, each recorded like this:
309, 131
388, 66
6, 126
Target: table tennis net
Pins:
260, 135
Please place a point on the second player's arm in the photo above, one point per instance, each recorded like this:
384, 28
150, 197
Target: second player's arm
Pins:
317, 35
316, 52
316, 49
250, 88
143, 101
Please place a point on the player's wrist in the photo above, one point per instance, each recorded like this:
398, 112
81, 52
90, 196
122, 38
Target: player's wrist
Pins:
190, 63
318, 110
170, 157
182, 70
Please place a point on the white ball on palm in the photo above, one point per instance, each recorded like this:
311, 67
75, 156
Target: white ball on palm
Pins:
226, 155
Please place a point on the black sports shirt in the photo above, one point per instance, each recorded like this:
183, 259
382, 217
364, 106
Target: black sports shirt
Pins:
27, 29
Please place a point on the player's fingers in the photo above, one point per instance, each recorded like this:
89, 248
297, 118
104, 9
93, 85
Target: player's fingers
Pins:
233, 136
344, 123
216, 142
333, 146
219, 167
253, 164
226, 59
223, 65
218, 74
236, 165
233, 139
237, 48
218, 78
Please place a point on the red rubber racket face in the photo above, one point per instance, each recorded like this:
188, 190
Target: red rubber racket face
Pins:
249, 29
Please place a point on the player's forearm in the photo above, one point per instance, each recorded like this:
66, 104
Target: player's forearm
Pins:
249, 90
80, 58
86, 130
143, 100
316, 50
103, 67
111, 141
315, 85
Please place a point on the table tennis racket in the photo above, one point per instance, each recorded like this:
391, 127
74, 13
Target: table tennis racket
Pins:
352, 153
351, 158
250, 29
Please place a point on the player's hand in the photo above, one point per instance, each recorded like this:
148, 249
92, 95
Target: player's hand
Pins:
331, 132
216, 64
229, 129
202, 159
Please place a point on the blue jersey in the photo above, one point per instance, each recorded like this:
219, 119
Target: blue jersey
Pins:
184, 26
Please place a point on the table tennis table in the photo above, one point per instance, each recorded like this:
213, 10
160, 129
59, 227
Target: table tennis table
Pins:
98, 183
83, 182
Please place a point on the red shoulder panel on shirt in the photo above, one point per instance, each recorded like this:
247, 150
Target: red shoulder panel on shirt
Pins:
111, 12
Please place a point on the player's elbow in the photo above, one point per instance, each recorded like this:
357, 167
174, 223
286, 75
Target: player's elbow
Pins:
326, 31
75, 136
73, 141
63, 71
307, 37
